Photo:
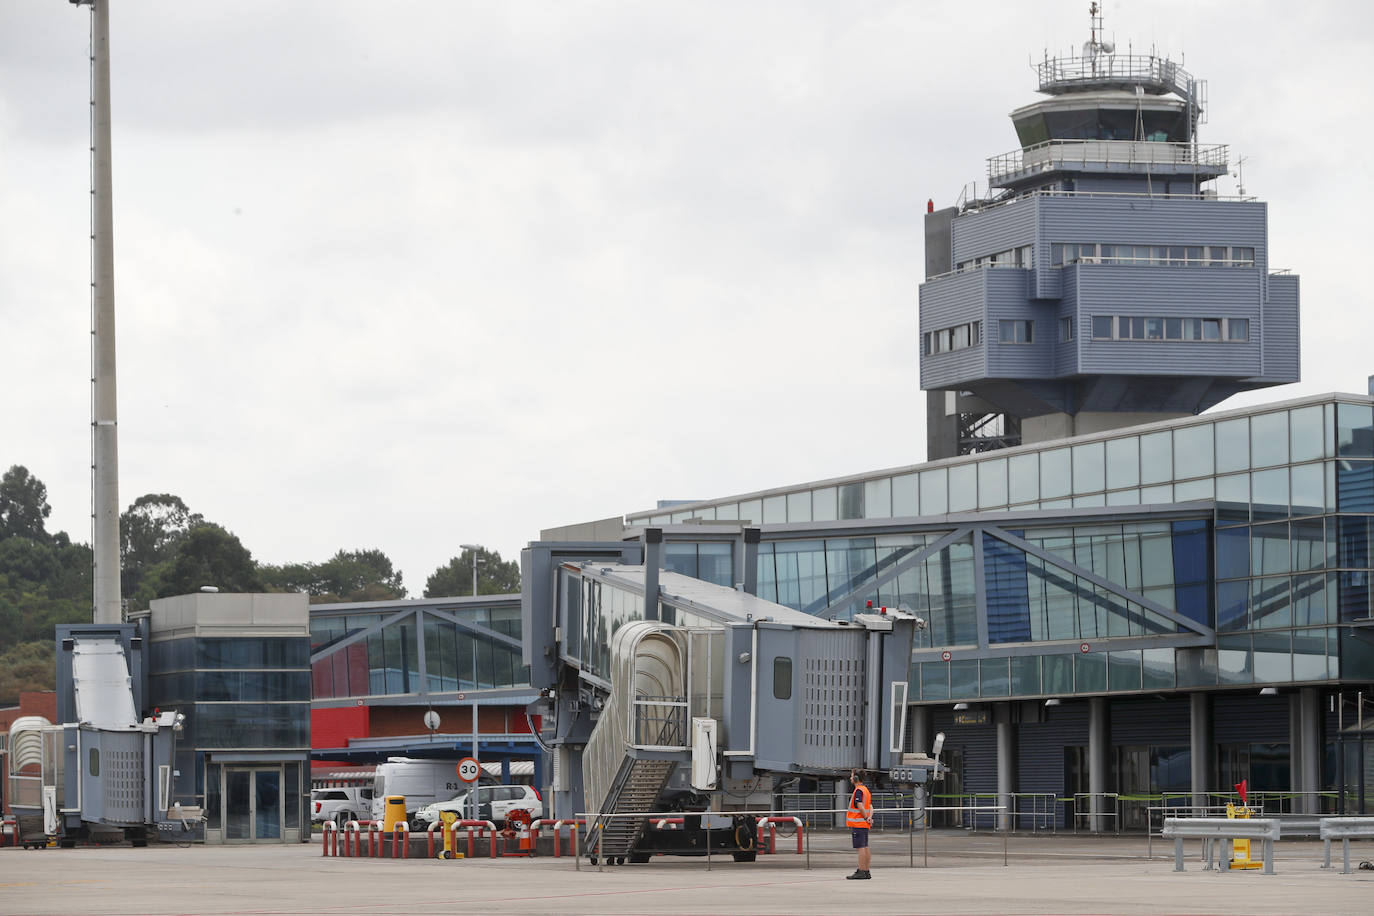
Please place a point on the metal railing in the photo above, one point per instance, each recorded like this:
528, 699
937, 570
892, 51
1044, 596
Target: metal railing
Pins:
911, 820
1092, 69
1052, 154
660, 722
978, 206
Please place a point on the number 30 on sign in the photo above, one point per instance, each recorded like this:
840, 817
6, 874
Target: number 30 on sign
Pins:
469, 769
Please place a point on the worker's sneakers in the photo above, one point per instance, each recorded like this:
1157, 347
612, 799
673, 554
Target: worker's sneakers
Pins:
860, 874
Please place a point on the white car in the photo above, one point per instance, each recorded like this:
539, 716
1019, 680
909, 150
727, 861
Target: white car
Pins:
484, 803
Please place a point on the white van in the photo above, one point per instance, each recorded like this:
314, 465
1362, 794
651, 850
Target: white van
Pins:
422, 782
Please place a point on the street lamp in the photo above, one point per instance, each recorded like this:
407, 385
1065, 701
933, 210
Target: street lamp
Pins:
474, 548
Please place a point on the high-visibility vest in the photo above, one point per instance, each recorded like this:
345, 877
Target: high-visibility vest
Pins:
854, 817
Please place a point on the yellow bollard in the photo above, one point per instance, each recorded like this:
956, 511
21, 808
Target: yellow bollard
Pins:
449, 818
1240, 848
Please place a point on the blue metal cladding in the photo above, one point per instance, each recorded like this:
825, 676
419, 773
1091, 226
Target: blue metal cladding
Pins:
1281, 331
1007, 592
978, 234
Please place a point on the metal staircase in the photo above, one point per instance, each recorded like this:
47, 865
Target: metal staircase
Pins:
639, 738
636, 790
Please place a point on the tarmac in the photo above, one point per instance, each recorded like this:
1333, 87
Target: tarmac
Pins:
955, 872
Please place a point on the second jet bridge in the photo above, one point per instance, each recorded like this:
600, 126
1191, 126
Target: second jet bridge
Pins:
711, 683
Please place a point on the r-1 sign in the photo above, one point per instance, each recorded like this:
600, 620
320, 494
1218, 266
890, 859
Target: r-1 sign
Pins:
469, 769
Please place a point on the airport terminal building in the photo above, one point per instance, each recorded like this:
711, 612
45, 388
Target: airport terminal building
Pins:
1127, 601
1168, 608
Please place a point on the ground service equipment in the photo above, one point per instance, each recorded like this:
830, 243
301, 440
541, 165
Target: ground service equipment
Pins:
701, 699
104, 773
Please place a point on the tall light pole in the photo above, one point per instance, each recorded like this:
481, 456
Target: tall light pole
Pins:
474, 548
107, 607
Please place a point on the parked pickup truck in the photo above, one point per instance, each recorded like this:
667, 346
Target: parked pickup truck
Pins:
340, 804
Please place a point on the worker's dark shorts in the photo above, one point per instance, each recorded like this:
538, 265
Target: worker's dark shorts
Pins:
860, 835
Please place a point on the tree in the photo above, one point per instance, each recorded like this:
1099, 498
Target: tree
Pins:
494, 576
23, 505
25, 562
350, 575
351, 572
150, 531
208, 555
27, 666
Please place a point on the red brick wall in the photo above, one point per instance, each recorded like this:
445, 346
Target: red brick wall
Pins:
31, 703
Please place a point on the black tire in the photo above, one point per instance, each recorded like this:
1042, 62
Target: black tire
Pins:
343, 817
592, 859
745, 856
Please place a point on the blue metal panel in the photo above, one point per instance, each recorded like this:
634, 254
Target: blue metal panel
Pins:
1244, 717
1184, 292
1156, 221
1281, 332
948, 302
991, 231
1068, 354
1151, 721
1006, 299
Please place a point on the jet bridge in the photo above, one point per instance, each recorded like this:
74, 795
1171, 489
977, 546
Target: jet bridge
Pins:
696, 700
102, 773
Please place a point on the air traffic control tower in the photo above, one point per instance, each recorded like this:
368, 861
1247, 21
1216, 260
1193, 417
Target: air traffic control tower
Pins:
1100, 281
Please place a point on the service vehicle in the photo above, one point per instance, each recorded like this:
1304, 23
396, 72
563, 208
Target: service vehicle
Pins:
422, 782
484, 803
340, 804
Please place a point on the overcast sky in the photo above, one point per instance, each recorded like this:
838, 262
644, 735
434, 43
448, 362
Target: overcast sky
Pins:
407, 275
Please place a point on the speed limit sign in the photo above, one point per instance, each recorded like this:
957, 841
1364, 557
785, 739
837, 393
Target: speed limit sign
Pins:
469, 769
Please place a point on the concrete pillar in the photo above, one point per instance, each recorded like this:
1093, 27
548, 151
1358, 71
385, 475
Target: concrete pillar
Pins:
921, 738
1006, 762
1305, 745
1099, 746
1200, 746
1295, 760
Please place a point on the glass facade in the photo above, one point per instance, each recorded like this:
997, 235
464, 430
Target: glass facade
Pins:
1280, 566
379, 654
237, 692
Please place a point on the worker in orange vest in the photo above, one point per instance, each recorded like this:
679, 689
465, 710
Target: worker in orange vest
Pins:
859, 818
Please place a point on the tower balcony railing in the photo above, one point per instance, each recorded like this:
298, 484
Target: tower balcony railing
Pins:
1105, 155
1058, 74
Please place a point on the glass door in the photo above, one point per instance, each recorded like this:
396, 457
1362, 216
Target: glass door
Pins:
252, 801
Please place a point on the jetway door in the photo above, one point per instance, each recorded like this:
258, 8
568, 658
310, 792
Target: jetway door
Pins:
830, 716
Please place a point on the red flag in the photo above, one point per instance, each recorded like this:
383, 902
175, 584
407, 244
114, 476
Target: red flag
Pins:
1240, 787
